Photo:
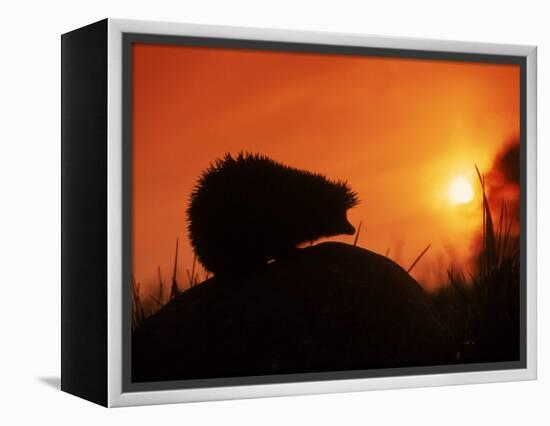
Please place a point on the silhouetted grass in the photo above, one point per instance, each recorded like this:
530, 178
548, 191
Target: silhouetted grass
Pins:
138, 310
418, 258
141, 309
357, 233
481, 310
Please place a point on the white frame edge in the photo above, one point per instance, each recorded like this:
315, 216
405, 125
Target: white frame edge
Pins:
115, 396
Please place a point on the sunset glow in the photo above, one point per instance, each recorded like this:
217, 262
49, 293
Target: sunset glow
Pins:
404, 133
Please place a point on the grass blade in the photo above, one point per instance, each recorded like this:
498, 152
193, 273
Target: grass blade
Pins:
418, 258
357, 233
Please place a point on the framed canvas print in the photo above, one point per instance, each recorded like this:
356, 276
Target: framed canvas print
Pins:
252, 212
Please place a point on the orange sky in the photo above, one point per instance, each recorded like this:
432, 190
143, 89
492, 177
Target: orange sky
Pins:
399, 130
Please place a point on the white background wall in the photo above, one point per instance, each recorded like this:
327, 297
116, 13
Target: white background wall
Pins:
30, 212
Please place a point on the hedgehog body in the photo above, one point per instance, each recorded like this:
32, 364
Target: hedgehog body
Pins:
248, 210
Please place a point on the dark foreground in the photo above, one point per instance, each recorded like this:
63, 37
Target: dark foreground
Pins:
330, 307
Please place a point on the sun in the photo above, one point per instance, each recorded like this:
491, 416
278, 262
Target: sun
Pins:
460, 191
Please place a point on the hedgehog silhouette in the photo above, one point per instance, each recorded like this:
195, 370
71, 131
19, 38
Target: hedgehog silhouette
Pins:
248, 210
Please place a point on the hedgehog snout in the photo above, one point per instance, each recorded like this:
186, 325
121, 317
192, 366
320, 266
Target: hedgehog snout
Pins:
348, 228
342, 225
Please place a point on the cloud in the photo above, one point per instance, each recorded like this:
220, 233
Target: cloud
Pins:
507, 163
503, 182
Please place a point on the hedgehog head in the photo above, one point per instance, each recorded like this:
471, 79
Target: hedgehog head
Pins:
330, 202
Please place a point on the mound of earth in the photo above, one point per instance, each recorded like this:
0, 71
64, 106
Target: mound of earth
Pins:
328, 307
